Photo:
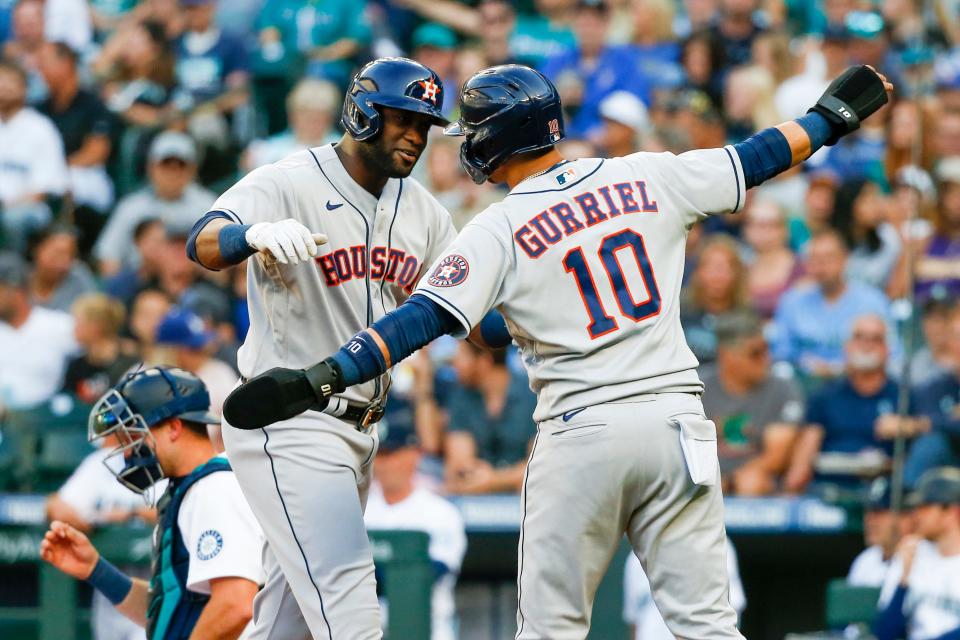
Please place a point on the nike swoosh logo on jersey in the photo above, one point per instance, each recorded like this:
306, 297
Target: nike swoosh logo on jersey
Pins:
331, 206
570, 414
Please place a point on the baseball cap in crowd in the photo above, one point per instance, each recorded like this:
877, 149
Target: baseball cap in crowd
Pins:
434, 35
173, 144
195, 3
865, 25
13, 270
937, 486
948, 170
183, 328
398, 435
735, 326
627, 109
879, 496
916, 178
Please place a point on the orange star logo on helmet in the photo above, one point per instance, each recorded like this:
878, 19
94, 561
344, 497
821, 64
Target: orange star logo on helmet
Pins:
430, 89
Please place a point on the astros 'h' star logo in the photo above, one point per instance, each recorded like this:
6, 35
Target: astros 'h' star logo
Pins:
430, 89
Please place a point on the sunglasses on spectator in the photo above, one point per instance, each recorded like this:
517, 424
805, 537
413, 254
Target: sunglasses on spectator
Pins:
869, 337
173, 163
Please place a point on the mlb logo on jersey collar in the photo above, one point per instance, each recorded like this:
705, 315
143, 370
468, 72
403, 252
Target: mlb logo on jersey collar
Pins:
566, 175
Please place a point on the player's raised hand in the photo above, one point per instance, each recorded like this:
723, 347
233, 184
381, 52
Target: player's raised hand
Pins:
852, 97
69, 550
287, 241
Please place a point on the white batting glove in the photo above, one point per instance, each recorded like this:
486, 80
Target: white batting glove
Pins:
287, 241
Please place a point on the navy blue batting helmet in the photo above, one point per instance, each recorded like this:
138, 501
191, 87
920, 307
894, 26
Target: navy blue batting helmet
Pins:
138, 402
504, 111
397, 83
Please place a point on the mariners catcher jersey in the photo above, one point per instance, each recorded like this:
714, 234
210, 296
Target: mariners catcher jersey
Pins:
376, 252
585, 263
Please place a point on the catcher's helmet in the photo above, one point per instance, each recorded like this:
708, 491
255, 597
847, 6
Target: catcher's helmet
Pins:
505, 110
398, 83
138, 402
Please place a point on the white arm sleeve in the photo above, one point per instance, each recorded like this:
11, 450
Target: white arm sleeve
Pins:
220, 532
48, 173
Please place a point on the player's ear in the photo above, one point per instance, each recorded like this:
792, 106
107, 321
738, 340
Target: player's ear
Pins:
176, 429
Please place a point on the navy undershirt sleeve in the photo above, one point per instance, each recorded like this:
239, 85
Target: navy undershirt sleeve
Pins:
414, 324
232, 241
767, 153
891, 624
493, 330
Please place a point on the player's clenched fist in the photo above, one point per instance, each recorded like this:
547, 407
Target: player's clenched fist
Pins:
287, 241
69, 550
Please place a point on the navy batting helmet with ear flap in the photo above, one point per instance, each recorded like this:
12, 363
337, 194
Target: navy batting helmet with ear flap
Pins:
504, 111
397, 83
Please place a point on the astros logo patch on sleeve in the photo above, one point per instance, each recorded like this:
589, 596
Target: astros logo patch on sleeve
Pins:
209, 544
451, 271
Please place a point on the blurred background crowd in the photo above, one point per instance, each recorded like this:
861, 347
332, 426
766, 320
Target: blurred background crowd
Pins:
818, 314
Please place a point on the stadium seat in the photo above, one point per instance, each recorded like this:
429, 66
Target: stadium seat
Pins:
850, 605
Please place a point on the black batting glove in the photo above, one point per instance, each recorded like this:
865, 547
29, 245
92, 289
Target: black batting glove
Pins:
853, 96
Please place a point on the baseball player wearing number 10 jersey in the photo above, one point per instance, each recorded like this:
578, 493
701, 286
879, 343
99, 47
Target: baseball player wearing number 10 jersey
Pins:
584, 259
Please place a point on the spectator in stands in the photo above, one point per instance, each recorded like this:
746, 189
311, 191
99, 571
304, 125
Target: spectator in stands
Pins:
149, 309
946, 138
107, 15
696, 123
640, 611
626, 125
938, 267
592, 70
773, 267
921, 590
35, 343
703, 61
881, 533
136, 67
818, 205
874, 244
397, 503
87, 129
24, 47
748, 102
58, 278
102, 362
855, 414
939, 401
451, 186
499, 19
813, 319
736, 27
32, 164
92, 497
490, 427
192, 347
756, 414
150, 240
325, 36
212, 74
718, 285
172, 195
793, 94
68, 21
934, 359
653, 45
312, 108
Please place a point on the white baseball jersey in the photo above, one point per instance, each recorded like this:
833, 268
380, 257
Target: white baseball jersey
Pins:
376, 252
869, 569
424, 511
932, 605
220, 532
641, 611
585, 262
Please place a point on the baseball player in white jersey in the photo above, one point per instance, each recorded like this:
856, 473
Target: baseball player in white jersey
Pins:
584, 259
306, 479
920, 598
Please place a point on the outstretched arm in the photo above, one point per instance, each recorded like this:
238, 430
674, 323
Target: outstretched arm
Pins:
853, 96
217, 241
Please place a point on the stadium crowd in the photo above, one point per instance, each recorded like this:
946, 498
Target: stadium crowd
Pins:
818, 313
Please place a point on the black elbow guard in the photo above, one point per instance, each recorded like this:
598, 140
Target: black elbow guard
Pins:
852, 96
